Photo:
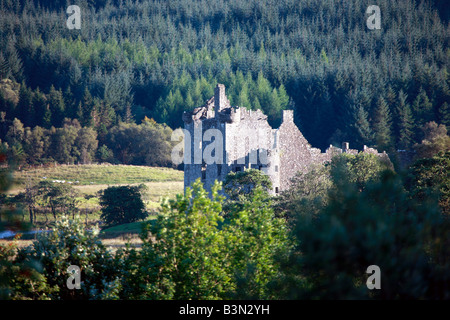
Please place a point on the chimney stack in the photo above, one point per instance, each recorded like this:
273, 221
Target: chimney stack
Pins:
288, 115
219, 98
345, 146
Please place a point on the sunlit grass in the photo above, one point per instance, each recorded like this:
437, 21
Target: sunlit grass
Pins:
85, 175
160, 182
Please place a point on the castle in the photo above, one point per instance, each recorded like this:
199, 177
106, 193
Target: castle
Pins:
244, 139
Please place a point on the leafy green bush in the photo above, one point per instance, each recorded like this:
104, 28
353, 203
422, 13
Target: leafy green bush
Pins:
183, 256
378, 225
430, 177
192, 252
51, 255
256, 241
241, 185
122, 204
309, 191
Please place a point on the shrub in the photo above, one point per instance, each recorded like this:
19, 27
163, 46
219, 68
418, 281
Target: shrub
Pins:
49, 257
122, 204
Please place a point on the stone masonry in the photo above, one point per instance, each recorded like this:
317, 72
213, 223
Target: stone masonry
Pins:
244, 139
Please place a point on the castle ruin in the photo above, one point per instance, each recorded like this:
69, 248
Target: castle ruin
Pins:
248, 141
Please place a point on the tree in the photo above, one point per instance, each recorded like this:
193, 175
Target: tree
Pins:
122, 204
357, 118
404, 122
257, 241
49, 257
308, 193
430, 177
192, 252
57, 106
435, 140
380, 225
183, 252
360, 169
63, 141
444, 114
422, 109
36, 144
15, 139
4, 68
24, 109
105, 154
16, 133
144, 144
60, 197
42, 110
241, 185
382, 123
362, 128
86, 145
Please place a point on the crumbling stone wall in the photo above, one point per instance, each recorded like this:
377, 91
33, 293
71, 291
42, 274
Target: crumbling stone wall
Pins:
295, 151
248, 141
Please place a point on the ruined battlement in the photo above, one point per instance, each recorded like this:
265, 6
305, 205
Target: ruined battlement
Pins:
248, 141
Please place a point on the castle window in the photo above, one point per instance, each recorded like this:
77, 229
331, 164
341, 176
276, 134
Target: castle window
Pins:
237, 169
219, 170
276, 168
276, 190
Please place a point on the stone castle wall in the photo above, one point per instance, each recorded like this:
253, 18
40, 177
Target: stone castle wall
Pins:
250, 142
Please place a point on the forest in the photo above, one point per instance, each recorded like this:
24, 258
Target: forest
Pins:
112, 93
136, 60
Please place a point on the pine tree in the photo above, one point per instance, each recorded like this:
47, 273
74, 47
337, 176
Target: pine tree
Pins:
40, 108
444, 115
274, 109
382, 123
128, 115
25, 110
87, 108
4, 67
404, 122
15, 64
283, 97
356, 119
243, 99
364, 135
326, 120
323, 56
422, 109
189, 102
57, 106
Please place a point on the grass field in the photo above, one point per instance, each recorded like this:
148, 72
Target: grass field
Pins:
103, 174
156, 191
89, 179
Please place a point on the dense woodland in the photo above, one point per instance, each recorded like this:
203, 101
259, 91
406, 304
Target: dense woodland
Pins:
115, 90
154, 59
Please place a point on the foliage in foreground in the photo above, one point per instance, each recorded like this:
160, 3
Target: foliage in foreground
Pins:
40, 270
431, 177
189, 252
194, 251
381, 225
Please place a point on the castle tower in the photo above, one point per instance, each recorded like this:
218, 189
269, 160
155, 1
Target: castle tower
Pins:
243, 139
220, 99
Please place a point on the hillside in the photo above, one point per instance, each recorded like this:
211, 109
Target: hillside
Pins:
150, 59
88, 175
